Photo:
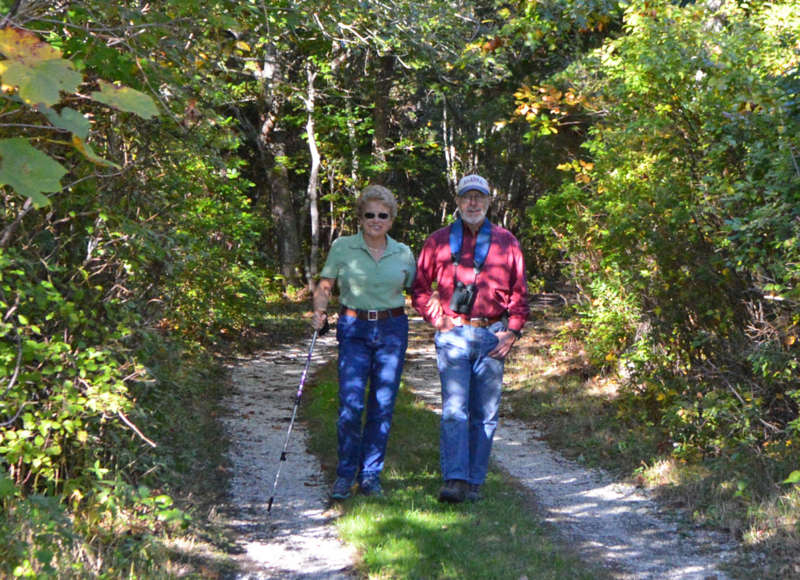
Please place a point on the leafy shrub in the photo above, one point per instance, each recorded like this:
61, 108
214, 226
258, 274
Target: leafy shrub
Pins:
688, 201
610, 317
34, 531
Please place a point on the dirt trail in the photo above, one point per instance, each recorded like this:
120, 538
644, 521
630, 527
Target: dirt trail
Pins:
614, 524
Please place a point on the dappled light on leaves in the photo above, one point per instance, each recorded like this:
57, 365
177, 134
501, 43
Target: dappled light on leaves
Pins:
35, 68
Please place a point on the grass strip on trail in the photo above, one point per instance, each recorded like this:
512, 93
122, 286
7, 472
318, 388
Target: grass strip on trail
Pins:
409, 534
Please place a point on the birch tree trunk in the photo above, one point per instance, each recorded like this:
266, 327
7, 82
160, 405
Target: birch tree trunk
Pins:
313, 177
449, 150
382, 111
352, 139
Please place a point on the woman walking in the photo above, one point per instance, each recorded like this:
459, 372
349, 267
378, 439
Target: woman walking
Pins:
372, 270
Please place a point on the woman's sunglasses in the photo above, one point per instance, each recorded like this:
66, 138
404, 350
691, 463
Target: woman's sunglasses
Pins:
382, 216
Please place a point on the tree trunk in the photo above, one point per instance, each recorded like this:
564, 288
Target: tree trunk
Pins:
382, 111
285, 217
313, 177
450, 160
448, 148
352, 139
271, 142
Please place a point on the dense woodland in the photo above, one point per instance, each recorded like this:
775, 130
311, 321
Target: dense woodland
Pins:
171, 169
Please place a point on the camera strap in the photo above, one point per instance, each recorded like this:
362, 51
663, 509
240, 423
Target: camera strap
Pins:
481, 245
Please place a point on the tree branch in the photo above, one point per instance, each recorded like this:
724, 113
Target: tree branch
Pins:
8, 232
135, 429
11, 13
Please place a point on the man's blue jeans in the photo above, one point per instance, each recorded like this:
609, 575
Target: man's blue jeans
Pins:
369, 352
472, 382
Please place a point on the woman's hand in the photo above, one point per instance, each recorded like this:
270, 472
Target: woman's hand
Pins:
318, 319
322, 295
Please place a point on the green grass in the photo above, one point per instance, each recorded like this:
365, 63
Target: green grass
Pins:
409, 534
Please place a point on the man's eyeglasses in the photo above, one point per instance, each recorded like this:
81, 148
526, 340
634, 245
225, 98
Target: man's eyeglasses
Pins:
381, 216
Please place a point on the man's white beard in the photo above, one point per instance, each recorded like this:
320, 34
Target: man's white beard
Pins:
474, 220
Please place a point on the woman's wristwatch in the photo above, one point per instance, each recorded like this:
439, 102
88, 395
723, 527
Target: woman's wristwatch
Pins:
516, 333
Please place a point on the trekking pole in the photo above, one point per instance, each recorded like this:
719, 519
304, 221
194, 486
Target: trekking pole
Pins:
294, 414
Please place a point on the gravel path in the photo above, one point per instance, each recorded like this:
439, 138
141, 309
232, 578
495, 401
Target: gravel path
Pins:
296, 539
614, 524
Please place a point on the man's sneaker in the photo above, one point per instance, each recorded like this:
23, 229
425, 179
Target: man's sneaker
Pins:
341, 488
453, 491
474, 492
371, 485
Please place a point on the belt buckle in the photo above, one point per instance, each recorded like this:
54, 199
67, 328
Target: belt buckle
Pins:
372, 315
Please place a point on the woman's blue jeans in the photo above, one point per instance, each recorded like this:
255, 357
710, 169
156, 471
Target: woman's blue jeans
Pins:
370, 352
472, 382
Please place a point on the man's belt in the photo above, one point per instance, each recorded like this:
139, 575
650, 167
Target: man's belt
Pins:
460, 319
372, 314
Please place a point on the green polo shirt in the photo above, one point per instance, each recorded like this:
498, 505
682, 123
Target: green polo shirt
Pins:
367, 284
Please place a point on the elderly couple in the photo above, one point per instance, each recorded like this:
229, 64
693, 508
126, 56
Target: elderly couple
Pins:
469, 283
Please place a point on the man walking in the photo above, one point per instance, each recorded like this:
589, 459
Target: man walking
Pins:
478, 307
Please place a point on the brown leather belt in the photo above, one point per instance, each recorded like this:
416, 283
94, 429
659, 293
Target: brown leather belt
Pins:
479, 322
372, 314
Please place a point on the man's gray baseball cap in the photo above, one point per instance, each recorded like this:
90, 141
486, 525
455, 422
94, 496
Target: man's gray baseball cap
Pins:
473, 182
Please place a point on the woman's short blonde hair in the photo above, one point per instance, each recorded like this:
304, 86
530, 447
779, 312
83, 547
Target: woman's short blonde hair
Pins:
376, 193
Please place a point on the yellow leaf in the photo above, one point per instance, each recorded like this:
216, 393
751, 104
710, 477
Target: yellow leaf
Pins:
25, 47
34, 68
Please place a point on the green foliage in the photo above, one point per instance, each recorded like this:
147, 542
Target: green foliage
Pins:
35, 73
61, 389
34, 532
28, 170
216, 281
688, 201
35, 68
610, 321
125, 99
161, 240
